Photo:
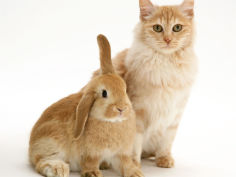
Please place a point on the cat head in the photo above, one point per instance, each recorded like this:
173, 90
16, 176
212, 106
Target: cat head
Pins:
166, 29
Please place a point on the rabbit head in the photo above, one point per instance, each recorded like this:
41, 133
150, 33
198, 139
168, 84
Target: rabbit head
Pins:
104, 97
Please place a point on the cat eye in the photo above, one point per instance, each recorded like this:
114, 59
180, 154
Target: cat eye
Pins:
157, 28
104, 94
177, 28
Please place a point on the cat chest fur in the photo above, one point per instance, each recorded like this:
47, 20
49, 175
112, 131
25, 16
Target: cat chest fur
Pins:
158, 87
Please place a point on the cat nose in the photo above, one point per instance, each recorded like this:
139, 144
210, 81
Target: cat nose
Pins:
167, 40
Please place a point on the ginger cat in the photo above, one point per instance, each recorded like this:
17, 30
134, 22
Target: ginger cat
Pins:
159, 69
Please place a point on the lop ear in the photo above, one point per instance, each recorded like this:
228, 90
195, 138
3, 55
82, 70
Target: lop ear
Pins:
105, 55
146, 9
187, 8
82, 112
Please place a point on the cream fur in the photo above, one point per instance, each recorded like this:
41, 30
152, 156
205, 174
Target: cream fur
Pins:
153, 73
113, 119
159, 78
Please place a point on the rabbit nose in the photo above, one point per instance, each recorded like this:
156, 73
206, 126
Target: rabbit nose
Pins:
121, 109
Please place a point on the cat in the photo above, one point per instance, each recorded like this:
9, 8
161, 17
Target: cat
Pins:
159, 69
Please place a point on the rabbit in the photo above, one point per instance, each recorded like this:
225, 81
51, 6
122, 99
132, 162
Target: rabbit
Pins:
80, 131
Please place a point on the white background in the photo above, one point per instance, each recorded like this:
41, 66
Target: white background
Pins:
48, 50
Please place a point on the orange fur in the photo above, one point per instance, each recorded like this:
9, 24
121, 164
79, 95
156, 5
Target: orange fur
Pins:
82, 130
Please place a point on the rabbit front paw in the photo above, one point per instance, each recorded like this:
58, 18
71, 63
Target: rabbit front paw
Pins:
136, 173
92, 174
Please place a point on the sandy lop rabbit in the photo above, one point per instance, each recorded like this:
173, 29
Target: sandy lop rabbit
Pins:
80, 131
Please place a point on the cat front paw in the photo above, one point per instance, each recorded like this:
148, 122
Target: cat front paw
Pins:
165, 162
92, 174
136, 163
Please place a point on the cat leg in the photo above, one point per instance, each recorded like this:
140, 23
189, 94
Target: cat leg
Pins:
90, 166
137, 148
126, 167
164, 144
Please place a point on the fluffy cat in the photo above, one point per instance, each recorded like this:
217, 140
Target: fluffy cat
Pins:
159, 69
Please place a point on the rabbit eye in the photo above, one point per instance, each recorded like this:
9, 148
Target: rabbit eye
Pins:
104, 94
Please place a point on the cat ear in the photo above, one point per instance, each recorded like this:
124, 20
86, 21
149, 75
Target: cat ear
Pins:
146, 9
187, 8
